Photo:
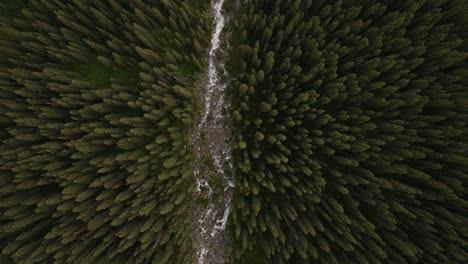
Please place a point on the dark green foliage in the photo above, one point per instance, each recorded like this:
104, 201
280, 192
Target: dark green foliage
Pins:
11, 8
350, 130
351, 139
95, 103
5, 259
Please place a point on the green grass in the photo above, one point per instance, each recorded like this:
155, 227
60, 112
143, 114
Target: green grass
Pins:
103, 75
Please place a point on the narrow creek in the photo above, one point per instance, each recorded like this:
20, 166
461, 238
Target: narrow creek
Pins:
213, 168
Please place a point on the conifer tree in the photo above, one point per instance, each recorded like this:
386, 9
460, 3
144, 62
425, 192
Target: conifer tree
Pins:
350, 131
95, 104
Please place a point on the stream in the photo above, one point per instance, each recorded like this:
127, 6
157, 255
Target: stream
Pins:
213, 168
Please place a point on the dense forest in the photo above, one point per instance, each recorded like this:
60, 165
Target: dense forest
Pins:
351, 120
95, 104
349, 130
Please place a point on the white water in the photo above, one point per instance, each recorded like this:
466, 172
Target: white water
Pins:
212, 140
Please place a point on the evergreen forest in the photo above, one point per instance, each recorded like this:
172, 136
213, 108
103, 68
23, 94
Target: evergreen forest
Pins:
349, 130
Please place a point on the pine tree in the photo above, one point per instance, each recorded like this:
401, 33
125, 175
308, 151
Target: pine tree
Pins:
350, 132
93, 160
